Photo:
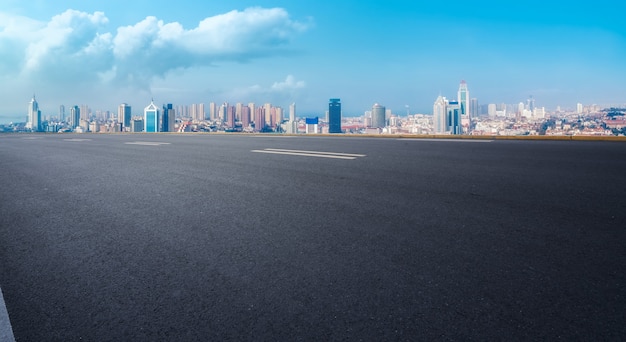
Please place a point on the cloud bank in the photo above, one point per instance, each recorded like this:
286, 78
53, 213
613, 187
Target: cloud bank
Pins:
77, 47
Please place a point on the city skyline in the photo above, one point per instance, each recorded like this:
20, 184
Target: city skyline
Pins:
396, 53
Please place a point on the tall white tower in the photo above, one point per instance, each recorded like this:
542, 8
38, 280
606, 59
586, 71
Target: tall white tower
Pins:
292, 112
34, 115
463, 98
439, 115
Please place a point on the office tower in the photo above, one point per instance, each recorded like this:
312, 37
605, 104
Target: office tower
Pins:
238, 109
272, 122
151, 118
268, 113
292, 112
334, 116
439, 115
123, 115
492, 110
279, 115
201, 114
474, 109
34, 115
212, 111
252, 107
84, 113
453, 118
230, 116
378, 116
62, 113
74, 120
259, 119
245, 116
579, 108
463, 99
168, 118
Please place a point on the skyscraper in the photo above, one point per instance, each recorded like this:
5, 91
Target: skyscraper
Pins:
151, 118
34, 115
123, 115
334, 116
453, 118
292, 112
463, 98
62, 113
168, 118
245, 116
378, 116
212, 111
473, 108
74, 120
439, 115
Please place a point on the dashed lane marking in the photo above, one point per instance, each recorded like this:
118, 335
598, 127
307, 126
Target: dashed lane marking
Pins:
319, 154
77, 139
147, 143
450, 140
6, 332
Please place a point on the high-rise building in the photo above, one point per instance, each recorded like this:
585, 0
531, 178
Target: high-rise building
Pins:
62, 113
151, 118
84, 113
268, 113
292, 112
74, 120
168, 118
463, 99
124, 114
245, 116
453, 118
259, 119
492, 110
252, 107
334, 116
201, 112
238, 109
474, 108
579, 107
439, 115
279, 115
34, 115
231, 116
212, 111
378, 116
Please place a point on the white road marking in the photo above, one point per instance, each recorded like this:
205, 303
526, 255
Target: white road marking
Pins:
319, 154
76, 139
6, 332
147, 143
451, 140
32, 138
271, 136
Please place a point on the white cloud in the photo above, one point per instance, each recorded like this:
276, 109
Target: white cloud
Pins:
278, 92
288, 84
75, 46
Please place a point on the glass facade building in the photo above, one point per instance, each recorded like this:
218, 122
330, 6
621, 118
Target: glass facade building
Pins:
334, 116
151, 118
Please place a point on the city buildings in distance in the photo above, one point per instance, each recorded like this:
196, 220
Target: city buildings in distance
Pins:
463, 115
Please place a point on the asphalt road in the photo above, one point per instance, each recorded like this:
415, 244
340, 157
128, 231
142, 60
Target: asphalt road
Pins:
212, 237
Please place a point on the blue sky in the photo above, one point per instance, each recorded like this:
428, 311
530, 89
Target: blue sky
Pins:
396, 53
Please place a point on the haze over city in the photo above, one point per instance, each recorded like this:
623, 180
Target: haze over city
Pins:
398, 53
